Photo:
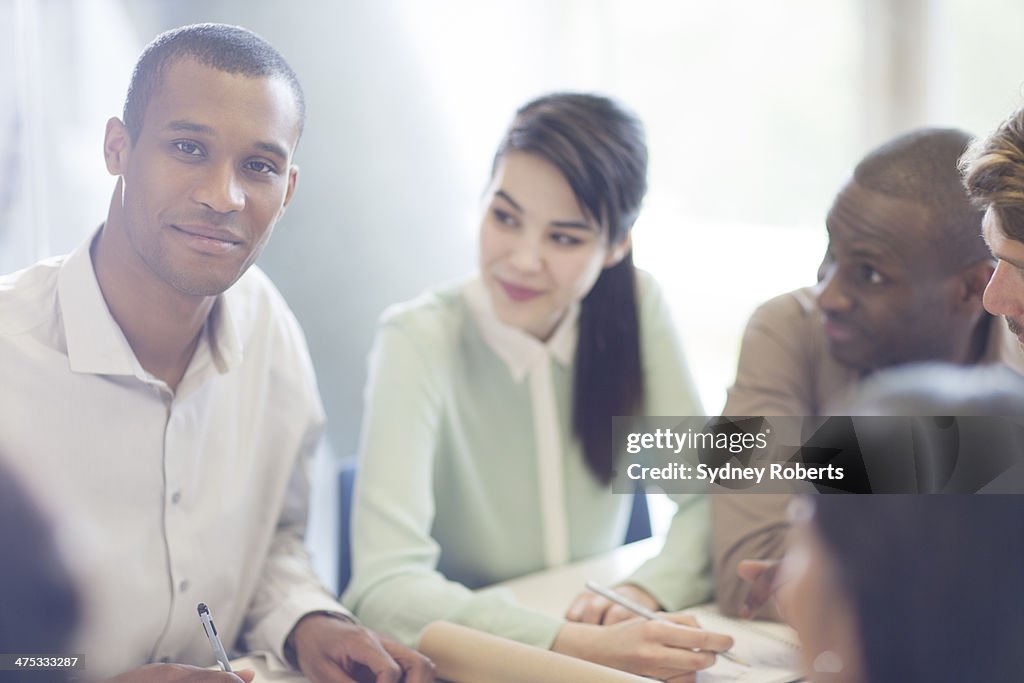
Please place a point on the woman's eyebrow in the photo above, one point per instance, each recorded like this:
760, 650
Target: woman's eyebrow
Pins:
577, 224
504, 195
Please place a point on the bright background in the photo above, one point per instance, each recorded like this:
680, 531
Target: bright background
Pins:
755, 113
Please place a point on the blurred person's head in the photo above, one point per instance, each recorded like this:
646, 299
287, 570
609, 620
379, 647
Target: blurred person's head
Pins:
994, 176
566, 187
891, 589
947, 428
906, 265
40, 606
927, 389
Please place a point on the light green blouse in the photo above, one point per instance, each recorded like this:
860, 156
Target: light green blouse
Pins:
451, 492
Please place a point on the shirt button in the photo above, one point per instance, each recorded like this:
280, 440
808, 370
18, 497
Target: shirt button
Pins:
183, 586
176, 497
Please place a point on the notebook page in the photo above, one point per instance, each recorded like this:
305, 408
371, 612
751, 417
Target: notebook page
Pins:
773, 654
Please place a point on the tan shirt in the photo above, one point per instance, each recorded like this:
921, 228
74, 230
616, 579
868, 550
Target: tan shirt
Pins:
785, 369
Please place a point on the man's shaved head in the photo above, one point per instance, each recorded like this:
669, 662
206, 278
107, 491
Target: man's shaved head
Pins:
921, 166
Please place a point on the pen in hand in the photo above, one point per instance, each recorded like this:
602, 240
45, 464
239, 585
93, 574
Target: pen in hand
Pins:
637, 608
211, 633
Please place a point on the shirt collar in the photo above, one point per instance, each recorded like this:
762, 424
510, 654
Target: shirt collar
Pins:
97, 345
222, 333
518, 349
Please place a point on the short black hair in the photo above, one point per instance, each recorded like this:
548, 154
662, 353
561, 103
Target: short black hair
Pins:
922, 166
232, 49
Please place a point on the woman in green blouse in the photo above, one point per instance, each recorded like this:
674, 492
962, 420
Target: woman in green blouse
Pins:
486, 446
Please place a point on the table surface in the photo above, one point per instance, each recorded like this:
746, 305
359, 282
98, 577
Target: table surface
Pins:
548, 592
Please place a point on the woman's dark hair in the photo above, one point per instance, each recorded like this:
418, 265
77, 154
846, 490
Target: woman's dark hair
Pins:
935, 582
600, 149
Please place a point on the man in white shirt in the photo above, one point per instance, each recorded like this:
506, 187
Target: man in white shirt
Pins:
158, 390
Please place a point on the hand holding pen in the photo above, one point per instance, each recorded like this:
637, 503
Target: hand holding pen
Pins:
668, 648
184, 673
195, 676
590, 608
642, 611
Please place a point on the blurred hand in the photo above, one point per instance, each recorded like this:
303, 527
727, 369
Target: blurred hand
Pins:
182, 673
761, 574
591, 608
659, 649
332, 650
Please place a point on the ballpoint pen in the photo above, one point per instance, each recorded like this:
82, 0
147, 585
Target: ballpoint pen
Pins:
211, 633
637, 608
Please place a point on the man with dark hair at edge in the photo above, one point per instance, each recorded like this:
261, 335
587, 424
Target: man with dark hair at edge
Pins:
901, 282
158, 389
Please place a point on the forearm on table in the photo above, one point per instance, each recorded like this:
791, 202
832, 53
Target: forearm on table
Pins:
680, 575
402, 604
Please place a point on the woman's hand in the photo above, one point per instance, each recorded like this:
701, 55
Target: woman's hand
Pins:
667, 650
591, 608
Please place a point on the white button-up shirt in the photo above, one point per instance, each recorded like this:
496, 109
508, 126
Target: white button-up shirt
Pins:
173, 498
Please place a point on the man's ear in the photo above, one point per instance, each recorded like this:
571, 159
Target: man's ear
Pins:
973, 281
619, 250
293, 179
117, 144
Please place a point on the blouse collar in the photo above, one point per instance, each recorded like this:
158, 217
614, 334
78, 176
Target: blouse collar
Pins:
518, 349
